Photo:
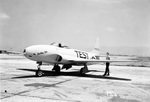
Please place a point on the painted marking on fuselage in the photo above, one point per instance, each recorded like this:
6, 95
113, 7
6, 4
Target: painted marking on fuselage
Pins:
95, 57
40, 53
85, 55
81, 54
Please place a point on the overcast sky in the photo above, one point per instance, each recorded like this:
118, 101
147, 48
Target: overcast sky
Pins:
74, 22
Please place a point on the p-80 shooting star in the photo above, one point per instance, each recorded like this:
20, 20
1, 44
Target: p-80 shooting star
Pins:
57, 54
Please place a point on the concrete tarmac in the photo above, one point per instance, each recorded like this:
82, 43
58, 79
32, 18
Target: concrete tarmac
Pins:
19, 84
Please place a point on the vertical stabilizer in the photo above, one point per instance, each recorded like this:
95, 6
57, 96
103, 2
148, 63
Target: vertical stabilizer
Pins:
96, 49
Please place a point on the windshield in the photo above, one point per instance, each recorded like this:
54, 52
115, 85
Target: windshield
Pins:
59, 45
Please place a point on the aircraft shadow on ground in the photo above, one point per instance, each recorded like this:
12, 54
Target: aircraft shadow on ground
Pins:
73, 73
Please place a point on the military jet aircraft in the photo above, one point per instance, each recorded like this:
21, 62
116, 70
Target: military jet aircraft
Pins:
58, 54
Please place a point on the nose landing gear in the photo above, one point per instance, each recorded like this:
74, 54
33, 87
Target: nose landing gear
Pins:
84, 70
39, 73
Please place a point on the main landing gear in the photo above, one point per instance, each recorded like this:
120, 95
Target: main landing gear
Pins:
84, 70
56, 69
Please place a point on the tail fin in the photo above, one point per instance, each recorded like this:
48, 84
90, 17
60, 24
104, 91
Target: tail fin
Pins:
96, 49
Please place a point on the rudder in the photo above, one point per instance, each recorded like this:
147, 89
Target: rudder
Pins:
96, 49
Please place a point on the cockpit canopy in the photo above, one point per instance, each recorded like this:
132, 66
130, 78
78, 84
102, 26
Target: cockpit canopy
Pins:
61, 45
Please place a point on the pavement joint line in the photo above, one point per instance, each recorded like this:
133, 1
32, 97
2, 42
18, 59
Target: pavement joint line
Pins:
138, 89
15, 94
48, 98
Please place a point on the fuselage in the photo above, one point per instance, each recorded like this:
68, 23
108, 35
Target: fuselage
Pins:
52, 54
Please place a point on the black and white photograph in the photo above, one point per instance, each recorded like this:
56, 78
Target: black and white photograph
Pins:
74, 50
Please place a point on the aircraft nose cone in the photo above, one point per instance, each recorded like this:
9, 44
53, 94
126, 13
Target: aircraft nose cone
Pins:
27, 52
24, 51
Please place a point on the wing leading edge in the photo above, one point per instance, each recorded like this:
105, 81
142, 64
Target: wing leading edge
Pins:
79, 61
84, 61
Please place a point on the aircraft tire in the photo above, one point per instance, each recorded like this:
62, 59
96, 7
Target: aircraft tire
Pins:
57, 70
39, 73
81, 71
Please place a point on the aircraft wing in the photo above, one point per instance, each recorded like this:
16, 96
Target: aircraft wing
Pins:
79, 61
84, 61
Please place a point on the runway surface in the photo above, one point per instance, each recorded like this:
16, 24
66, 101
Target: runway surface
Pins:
19, 84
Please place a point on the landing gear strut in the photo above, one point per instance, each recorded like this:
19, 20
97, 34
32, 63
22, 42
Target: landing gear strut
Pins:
84, 70
56, 69
39, 73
